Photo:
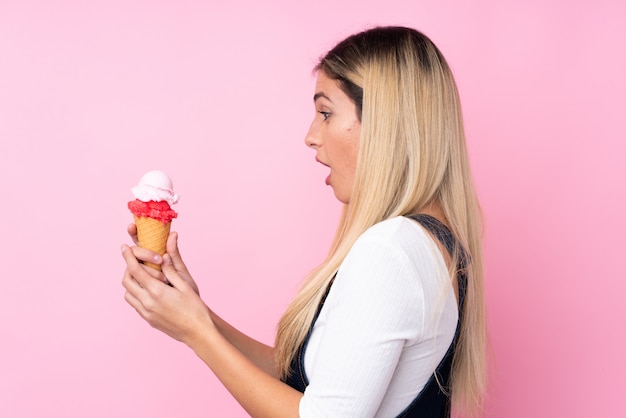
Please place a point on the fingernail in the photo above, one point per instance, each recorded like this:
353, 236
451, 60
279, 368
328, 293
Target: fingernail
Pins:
123, 248
156, 258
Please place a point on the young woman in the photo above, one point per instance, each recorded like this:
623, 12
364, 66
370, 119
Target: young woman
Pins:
392, 323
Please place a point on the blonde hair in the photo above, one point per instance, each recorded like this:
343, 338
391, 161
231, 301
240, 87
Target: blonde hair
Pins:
411, 153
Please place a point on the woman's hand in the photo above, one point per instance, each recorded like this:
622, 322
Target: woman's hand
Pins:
152, 257
176, 310
245, 366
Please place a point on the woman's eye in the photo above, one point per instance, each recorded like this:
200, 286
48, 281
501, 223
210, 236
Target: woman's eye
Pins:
325, 115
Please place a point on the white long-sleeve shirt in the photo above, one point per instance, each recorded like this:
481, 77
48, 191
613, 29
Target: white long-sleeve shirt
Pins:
387, 322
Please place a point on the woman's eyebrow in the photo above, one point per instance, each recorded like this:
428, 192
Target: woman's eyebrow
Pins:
319, 95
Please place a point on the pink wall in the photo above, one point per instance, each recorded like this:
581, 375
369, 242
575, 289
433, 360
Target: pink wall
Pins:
92, 94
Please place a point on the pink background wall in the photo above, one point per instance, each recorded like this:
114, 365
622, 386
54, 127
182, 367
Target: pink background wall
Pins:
92, 94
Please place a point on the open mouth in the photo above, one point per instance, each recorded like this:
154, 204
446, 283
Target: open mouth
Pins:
327, 180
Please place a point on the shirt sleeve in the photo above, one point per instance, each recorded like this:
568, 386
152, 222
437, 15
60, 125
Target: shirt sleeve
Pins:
374, 307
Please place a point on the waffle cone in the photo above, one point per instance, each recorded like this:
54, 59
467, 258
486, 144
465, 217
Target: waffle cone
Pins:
152, 234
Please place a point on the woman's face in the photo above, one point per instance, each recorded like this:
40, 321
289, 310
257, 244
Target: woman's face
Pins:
334, 134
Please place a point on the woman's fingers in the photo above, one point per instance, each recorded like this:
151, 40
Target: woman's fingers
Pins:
142, 287
132, 231
133, 290
177, 261
148, 256
172, 250
171, 274
144, 255
139, 272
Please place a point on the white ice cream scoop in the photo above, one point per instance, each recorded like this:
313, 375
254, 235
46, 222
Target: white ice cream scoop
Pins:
155, 186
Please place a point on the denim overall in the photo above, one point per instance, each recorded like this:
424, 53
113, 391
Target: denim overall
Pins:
431, 402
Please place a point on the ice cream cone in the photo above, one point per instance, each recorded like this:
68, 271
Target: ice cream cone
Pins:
152, 234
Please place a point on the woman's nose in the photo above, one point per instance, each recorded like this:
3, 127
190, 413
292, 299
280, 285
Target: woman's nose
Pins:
312, 138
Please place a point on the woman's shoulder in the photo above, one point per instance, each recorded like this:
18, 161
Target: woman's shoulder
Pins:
397, 258
398, 241
399, 231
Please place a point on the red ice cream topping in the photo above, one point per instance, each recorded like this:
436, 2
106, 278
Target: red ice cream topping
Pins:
160, 211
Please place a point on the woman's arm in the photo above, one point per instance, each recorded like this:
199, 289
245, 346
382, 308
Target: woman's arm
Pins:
259, 393
245, 366
260, 354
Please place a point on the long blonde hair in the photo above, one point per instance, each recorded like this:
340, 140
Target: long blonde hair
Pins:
411, 153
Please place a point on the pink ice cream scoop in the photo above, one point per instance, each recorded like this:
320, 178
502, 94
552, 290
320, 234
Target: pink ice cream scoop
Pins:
155, 185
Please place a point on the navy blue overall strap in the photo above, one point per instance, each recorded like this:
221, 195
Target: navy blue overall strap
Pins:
297, 378
431, 401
